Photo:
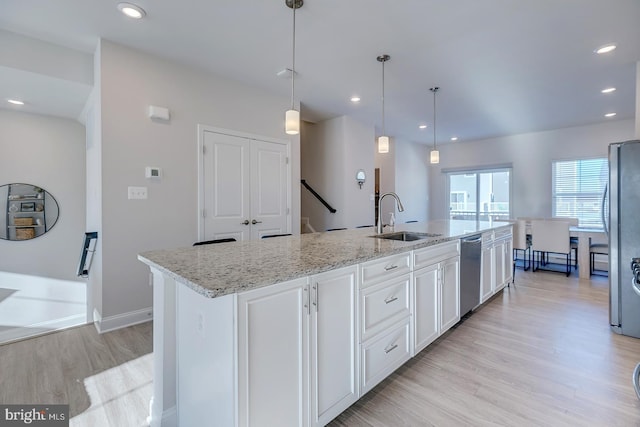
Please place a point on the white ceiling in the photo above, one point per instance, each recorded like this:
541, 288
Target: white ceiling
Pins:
503, 66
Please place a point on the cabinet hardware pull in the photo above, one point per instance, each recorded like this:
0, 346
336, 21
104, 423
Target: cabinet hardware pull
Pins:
315, 296
390, 300
391, 267
255, 222
390, 349
245, 222
306, 300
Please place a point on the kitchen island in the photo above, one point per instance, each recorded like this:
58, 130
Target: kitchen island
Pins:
292, 330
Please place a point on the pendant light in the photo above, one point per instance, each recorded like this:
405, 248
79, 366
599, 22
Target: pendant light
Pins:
383, 140
435, 154
292, 116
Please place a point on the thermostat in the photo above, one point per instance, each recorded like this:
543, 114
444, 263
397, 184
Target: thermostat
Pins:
152, 172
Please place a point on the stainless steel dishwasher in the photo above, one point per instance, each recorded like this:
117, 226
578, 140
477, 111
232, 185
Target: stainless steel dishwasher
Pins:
470, 262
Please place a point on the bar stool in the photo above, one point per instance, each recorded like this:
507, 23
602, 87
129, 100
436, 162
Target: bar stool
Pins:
597, 249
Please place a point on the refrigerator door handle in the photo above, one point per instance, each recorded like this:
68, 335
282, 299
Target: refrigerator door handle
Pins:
636, 382
602, 211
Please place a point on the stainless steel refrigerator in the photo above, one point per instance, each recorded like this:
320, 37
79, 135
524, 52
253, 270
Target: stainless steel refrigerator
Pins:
624, 236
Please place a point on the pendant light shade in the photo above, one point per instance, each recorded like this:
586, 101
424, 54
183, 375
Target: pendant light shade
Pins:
383, 144
434, 158
383, 140
292, 116
292, 122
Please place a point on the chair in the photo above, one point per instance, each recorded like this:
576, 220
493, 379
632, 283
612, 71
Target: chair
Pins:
550, 237
597, 249
573, 222
521, 243
267, 236
209, 242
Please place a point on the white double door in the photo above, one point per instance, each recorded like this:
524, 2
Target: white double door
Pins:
245, 184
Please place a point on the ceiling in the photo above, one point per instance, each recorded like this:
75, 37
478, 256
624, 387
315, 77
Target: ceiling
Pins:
503, 66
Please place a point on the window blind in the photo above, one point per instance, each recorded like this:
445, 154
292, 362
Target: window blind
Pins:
578, 186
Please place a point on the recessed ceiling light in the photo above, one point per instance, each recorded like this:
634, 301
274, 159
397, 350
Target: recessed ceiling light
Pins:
132, 10
422, 126
608, 90
355, 99
606, 49
15, 102
454, 138
610, 114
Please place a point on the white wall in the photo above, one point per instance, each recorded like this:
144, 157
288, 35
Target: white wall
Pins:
129, 81
531, 156
332, 152
412, 180
387, 164
47, 152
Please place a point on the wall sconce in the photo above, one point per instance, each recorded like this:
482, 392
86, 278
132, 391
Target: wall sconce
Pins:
361, 177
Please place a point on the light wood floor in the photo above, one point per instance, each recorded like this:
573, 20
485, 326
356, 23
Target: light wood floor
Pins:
541, 354
106, 379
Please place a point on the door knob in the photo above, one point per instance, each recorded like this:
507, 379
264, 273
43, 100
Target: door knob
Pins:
245, 222
256, 222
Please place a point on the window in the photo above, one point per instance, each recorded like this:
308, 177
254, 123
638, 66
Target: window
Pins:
480, 194
578, 186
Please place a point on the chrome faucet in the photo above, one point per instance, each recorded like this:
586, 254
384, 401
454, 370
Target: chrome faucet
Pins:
379, 219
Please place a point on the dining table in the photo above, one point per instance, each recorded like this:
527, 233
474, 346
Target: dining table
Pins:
584, 235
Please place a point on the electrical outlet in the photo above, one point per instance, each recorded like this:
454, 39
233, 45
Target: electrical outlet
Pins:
137, 192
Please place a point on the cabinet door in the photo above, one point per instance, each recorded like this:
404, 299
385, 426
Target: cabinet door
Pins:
425, 312
499, 266
334, 378
487, 276
508, 261
449, 293
273, 355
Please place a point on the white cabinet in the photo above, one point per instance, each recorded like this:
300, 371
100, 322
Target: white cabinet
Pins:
385, 317
272, 355
449, 293
426, 314
497, 261
334, 349
436, 287
297, 351
487, 274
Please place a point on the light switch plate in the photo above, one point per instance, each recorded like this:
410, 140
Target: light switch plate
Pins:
137, 193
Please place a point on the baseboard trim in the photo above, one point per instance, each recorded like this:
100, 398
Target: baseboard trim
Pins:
119, 321
30, 331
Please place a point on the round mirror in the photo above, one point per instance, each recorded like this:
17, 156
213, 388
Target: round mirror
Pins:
361, 177
26, 211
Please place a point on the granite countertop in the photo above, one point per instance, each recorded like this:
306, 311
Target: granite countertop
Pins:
226, 268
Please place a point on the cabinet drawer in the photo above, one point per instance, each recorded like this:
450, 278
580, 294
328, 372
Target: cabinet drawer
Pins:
433, 254
381, 269
384, 354
384, 304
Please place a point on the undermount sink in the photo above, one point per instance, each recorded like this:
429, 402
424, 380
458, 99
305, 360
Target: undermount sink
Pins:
406, 236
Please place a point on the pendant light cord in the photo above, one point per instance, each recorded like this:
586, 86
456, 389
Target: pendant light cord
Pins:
383, 97
434, 90
293, 65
